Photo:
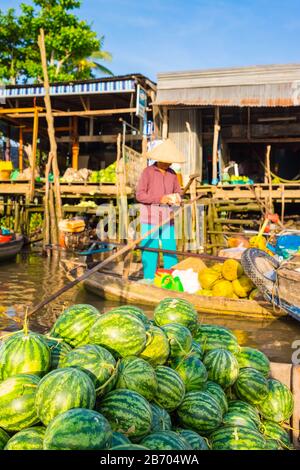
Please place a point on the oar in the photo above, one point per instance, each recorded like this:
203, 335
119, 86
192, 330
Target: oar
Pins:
122, 251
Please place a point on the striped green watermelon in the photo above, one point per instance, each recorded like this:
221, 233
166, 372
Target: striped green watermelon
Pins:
200, 412
197, 350
17, 396
192, 371
216, 337
78, 429
157, 350
74, 324
272, 444
180, 339
249, 357
27, 439
241, 413
58, 349
251, 386
129, 447
24, 353
61, 390
127, 412
4, 438
277, 433
170, 390
179, 311
237, 438
222, 367
165, 440
137, 375
97, 362
121, 333
196, 441
218, 393
119, 439
278, 405
138, 312
161, 420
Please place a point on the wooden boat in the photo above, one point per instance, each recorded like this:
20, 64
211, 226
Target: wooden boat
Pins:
10, 249
111, 285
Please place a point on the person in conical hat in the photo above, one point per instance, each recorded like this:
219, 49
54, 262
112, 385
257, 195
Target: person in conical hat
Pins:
159, 192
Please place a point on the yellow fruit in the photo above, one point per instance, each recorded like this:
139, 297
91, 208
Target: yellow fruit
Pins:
208, 277
242, 286
205, 292
232, 269
222, 289
253, 294
218, 267
234, 296
258, 242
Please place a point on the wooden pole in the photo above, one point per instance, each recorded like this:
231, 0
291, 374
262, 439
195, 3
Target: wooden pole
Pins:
21, 150
34, 150
215, 145
75, 143
51, 128
269, 177
165, 125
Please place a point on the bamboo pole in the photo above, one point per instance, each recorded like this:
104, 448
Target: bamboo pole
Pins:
269, 178
75, 143
34, 151
215, 145
51, 128
21, 150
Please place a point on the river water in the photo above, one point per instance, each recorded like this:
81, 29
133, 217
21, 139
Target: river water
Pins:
33, 277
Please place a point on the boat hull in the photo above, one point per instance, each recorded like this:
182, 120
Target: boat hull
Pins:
115, 288
10, 249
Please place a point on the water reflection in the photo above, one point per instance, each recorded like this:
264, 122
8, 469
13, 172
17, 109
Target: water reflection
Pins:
32, 278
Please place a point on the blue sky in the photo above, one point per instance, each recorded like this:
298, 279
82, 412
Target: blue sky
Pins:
169, 35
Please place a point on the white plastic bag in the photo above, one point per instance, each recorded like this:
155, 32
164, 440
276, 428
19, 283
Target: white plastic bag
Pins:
189, 280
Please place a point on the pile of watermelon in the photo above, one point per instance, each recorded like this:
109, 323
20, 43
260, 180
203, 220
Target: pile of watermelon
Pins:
120, 381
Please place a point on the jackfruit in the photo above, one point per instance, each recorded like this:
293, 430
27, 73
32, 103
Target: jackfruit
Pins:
218, 267
232, 270
254, 294
205, 292
242, 286
222, 289
208, 277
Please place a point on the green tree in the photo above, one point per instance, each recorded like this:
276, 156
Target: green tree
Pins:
71, 44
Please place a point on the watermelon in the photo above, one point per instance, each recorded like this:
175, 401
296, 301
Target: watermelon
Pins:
161, 420
165, 440
78, 429
61, 390
192, 371
200, 412
24, 353
157, 350
27, 439
273, 431
4, 438
241, 413
197, 350
222, 367
218, 393
272, 444
74, 324
170, 390
216, 337
249, 357
97, 362
129, 447
121, 333
196, 441
179, 311
128, 412
180, 339
278, 405
138, 312
251, 386
137, 375
17, 396
119, 439
58, 349
237, 438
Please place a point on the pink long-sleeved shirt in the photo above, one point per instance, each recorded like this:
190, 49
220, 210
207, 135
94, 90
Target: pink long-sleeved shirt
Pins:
152, 186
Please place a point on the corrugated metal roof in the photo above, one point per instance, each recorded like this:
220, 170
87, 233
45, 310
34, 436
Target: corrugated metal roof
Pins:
270, 86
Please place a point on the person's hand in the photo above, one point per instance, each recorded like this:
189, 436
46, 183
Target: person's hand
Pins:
165, 200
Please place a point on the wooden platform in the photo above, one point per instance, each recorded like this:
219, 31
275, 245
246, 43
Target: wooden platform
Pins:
91, 189
288, 192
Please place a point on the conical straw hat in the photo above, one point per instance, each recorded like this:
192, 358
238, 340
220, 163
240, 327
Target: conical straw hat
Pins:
167, 152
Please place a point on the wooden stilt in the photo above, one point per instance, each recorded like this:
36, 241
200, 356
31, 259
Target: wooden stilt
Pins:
33, 154
21, 150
